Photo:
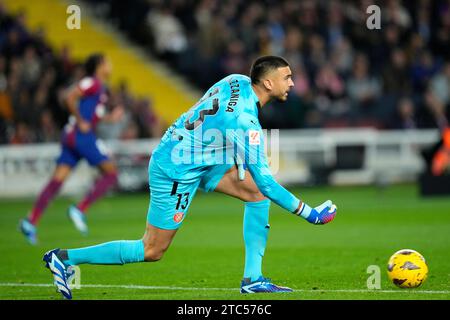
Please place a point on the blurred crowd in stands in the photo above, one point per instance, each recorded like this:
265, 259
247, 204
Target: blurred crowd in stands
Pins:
345, 75
33, 80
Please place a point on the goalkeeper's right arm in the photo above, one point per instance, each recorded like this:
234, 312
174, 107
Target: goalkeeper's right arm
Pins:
256, 161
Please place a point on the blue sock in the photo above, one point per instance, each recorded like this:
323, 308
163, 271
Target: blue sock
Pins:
114, 252
256, 230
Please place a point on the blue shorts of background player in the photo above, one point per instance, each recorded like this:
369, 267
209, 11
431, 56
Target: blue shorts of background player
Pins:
80, 145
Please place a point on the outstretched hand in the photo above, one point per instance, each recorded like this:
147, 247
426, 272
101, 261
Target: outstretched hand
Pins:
322, 214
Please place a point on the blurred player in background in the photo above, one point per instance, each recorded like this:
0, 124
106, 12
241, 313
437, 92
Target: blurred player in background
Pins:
230, 110
86, 103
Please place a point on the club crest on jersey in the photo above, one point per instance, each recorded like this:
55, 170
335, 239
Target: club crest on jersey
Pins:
254, 137
178, 217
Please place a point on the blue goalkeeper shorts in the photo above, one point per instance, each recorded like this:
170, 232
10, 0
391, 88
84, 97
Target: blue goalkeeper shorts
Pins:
170, 199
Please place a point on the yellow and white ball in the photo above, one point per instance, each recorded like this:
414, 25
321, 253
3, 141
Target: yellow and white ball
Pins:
407, 268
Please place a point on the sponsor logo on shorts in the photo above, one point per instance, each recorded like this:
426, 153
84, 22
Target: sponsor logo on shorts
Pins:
178, 217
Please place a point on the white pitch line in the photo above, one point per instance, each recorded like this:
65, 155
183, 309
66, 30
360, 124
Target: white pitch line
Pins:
140, 287
118, 286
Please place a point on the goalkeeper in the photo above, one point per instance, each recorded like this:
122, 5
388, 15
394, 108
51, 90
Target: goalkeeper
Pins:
211, 146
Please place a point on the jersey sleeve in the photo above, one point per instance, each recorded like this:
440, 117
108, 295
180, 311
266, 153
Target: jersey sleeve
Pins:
89, 86
249, 142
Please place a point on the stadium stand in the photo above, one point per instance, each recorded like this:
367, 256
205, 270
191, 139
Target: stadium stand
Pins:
346, 75
38, 61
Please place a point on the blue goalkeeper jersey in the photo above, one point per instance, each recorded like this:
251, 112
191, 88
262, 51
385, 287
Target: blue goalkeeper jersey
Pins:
220, 127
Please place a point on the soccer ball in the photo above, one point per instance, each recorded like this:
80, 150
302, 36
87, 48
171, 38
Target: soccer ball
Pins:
407, 268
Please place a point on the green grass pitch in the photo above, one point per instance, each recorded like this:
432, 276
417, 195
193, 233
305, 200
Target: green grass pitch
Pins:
205, 260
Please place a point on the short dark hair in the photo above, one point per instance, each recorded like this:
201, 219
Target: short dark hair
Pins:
92, 62
264, 64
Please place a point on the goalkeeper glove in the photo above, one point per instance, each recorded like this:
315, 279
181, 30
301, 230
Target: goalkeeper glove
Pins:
319, 215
